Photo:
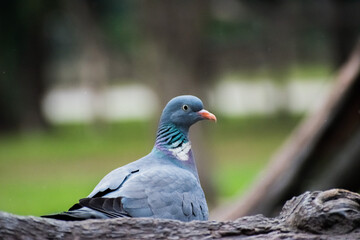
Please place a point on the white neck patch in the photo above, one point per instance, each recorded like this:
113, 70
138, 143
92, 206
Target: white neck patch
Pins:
182, 152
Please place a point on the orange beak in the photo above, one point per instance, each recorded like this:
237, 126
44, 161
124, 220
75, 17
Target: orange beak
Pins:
207, 115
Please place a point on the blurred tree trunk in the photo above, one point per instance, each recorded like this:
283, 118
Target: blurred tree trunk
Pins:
279, 40
23, 56
322, 153
179, 62
345, 28
93, 58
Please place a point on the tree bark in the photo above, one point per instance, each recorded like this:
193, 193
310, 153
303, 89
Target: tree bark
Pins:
331, 214
24, 53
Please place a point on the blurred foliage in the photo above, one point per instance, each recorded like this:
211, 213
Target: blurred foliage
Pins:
45, 172
46, 44
118, 21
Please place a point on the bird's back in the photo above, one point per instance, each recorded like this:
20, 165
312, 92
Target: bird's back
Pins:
163, 184
149, 187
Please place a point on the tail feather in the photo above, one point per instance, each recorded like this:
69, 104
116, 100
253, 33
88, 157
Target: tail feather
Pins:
77, 215
92, 208
65, 216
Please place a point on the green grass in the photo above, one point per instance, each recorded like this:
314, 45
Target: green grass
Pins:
46, 172
67, 143
243, 147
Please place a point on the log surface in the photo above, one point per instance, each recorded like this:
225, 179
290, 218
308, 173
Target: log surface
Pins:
332, 214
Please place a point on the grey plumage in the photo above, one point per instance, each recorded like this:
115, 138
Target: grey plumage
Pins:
163, 184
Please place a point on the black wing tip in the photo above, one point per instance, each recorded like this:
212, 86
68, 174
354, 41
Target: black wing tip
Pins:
75, 207
84, 201
112, 207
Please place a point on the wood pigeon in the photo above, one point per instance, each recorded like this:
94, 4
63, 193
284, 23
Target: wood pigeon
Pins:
163, 184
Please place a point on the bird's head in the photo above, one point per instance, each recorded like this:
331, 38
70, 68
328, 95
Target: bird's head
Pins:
184, 111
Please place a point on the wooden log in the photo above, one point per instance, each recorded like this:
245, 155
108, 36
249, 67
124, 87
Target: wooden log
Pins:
332, 214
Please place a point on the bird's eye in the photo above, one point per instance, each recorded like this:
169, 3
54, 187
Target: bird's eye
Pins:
185, 107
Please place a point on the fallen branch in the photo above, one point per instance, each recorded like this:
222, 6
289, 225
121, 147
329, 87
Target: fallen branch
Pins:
331, 214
